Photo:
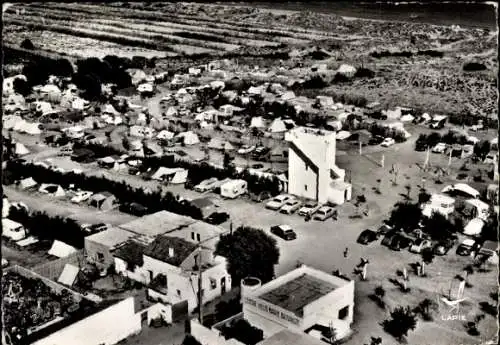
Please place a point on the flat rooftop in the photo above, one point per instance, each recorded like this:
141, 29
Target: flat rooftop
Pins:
295, 294
157, 223
112, 237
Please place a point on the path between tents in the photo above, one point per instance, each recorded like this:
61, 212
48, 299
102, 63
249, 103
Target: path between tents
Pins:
55, 207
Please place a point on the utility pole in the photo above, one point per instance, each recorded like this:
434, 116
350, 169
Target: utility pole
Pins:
200, 280
200, 285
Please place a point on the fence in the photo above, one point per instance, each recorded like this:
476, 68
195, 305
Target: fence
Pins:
56, 287
53, 269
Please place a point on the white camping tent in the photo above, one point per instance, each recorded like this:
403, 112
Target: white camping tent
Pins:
61, 249
68, 275
176, 175
462, 187
165, 135
258, 122
342, 135
228, 146
407, 118
216, 144
171, 111
21, 149
43, 107
27, 183
347, 70
109, 109
474, 227
52, 189
189, 138
277, 126
10, 121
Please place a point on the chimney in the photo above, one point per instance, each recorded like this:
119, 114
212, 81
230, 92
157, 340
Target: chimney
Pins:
170, 252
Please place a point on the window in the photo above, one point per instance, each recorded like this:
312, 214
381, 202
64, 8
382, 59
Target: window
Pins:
343, 313
198, 237
213, 283
100, 257
179, 293
192, 235
305, 187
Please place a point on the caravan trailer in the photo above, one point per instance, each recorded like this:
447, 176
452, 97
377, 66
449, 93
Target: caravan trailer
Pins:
13, 230
233, 189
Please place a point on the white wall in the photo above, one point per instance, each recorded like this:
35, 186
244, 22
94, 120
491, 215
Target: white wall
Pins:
298, 177
106, 327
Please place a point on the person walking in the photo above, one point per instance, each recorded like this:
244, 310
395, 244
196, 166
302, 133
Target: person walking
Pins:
346, 252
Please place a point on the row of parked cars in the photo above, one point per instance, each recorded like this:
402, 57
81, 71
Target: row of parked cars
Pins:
417, 241
288, 204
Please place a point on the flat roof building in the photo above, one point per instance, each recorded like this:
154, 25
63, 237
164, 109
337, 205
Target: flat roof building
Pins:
99, 247
157, 223
301, 300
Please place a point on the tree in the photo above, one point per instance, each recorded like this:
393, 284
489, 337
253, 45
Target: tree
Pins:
439, 227
425, 308
481, 149
244, 332
21, 87
406, 215
375, 341
423, 197
27, 44
190, 340
402, 320
249, 252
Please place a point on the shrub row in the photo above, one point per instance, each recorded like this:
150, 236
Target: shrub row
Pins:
407, 54
154, 201
45, 227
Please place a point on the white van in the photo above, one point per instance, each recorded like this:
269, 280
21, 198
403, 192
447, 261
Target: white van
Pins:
233, 189
13, 230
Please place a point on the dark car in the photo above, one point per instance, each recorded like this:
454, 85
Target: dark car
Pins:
387, 240
261, 153
367, 236
384, 229
83, 156
217, 218
421, 144
396, 243
442, 248
284, 231
376, 140
134, 208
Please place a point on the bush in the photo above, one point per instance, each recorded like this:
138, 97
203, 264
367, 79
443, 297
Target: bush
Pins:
364, 73
27, 44
474, 66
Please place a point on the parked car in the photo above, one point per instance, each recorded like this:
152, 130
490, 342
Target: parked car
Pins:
284, 231
65, 151
277, 202
134, 208
81, 196
388, 142
94, 228
439, 148
419, 245
376, 140
389, 236
384, 229
466, 247
290, 206
260, 153
399, 242
245, 149
207, 185
477, 127
217, 218
443, 247
367, 236
323, 213
309, 208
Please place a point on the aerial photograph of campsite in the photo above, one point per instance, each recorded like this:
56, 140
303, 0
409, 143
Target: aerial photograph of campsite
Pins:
250, 173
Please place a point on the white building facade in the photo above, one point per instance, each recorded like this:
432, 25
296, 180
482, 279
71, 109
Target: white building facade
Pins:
312, 171
333, 308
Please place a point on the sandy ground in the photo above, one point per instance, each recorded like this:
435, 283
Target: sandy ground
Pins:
321, 244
